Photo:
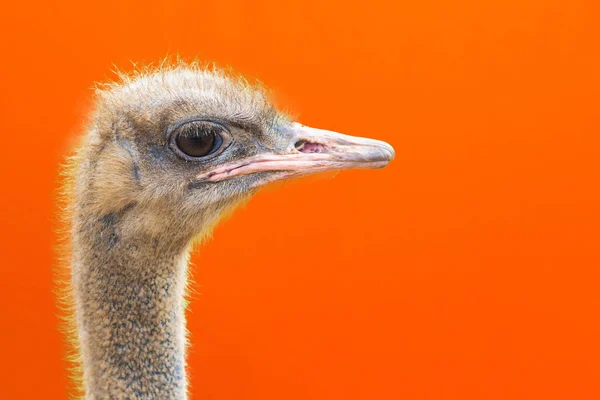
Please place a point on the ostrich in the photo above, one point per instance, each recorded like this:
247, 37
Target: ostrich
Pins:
167, 153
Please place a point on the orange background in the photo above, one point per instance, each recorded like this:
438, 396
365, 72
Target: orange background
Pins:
468, 269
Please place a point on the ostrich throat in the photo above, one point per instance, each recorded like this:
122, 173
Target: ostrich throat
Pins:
129, 289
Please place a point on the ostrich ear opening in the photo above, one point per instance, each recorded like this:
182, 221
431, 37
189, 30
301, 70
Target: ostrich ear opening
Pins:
310, 151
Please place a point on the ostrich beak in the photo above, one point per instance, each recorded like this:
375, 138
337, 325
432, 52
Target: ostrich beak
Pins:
309, 151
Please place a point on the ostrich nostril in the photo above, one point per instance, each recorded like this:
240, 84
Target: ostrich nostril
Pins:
308, 147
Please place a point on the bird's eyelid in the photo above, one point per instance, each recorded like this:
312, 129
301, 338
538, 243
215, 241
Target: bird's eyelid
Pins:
175, 126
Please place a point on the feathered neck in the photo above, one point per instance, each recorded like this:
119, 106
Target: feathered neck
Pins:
129, 298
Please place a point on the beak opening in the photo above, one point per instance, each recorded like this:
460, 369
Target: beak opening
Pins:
310, 151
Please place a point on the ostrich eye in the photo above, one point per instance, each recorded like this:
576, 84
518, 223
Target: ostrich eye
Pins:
199, 138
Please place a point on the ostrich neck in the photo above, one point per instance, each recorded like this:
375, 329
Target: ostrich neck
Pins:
129, 296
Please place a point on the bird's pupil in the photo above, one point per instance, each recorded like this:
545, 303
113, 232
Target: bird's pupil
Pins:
198, 141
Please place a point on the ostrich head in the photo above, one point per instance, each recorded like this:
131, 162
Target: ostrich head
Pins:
166, 154
183, 145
